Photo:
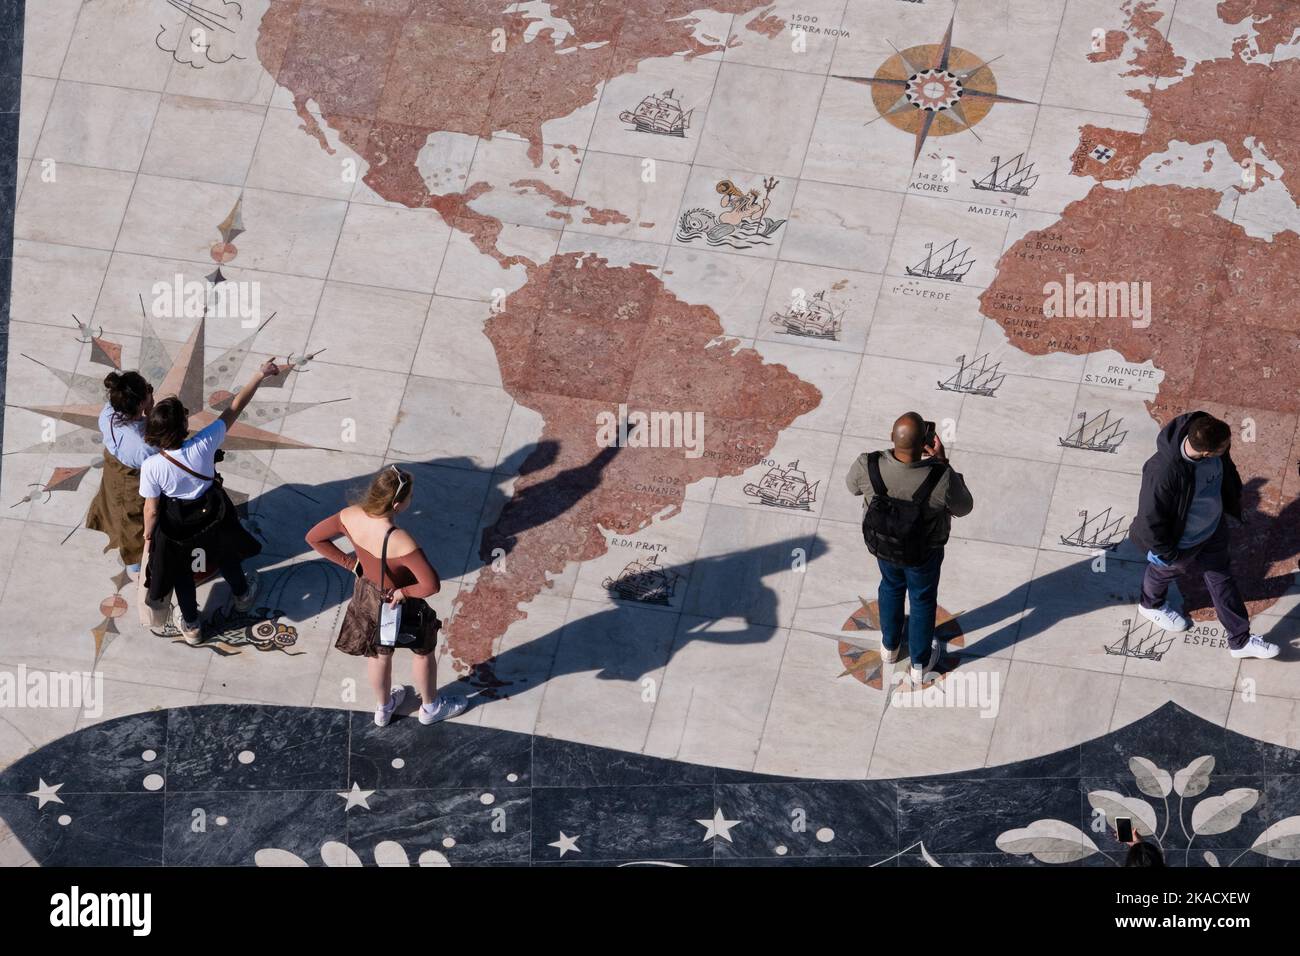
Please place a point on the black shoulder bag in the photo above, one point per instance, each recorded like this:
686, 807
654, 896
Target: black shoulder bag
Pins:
419, 622
188, 520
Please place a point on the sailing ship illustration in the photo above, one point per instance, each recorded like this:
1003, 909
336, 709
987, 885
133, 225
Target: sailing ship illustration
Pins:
644, 581
784, 488
1012, 176
812, 318
1099, 531
660, 114
1145, 643
1096, 434
944, 263
976, 377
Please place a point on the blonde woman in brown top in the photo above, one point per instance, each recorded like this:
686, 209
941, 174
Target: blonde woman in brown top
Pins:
404, 574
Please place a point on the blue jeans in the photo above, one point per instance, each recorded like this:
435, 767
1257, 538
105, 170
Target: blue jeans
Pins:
921, 586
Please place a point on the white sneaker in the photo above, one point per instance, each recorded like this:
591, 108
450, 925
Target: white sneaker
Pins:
1256, 647
1165, 617
384, 712
442, 708
919, 673
887, 656
191, 631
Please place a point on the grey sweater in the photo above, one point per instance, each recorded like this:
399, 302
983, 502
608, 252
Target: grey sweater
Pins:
950, 498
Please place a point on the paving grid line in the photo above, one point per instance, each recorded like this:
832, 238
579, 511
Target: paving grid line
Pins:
385, 458
14, 19
481, 527
778, 629
68, 391
815, 536
1033, 574
676, 615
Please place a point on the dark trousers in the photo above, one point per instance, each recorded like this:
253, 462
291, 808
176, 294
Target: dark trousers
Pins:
187, 598
1211, 559
920, 585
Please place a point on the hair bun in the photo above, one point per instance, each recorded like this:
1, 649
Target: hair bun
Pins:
112, 379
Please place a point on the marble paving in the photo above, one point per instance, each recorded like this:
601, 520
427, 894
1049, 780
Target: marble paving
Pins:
473, 230
258, 785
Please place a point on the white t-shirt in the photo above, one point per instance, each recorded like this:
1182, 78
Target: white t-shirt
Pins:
160, 476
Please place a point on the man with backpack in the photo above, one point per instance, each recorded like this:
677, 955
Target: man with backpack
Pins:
912, 495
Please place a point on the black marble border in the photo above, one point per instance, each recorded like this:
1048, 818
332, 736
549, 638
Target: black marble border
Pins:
211, 785
11, 77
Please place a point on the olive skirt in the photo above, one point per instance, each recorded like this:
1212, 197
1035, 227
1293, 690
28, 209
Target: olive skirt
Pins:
118, 510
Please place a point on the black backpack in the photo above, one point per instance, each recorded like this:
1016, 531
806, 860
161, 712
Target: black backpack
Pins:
895, 529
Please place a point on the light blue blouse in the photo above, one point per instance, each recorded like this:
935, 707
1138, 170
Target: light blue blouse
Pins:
124, 440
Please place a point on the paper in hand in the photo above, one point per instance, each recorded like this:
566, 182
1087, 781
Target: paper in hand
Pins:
390, 621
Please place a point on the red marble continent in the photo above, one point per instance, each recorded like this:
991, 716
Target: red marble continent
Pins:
1273, 20
1112, 48
1155, 57
767, 24
604, 217
580, 338
1224, 329
1227, 99
386, 73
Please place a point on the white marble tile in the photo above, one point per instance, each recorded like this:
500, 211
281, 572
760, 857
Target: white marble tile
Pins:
716, 692
610, 661
730, 137
373, 328
818, 727
47, 31
73, 205
102, 126
1045, 709
360, 257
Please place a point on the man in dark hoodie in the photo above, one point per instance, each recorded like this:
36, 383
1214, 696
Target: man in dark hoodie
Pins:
1188, 486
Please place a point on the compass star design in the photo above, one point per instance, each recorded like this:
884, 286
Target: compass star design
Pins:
204, 388
933, 90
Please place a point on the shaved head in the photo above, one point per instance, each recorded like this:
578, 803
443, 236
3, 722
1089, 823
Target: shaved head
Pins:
908, 435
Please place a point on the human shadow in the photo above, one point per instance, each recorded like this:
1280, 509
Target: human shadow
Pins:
539, 504
453, 498
1090, 585
725, 601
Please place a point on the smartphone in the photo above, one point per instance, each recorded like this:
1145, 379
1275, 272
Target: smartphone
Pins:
928, 439
1124, 829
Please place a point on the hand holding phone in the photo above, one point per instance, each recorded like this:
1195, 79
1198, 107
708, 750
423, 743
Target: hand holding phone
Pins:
1124, 829
931, 443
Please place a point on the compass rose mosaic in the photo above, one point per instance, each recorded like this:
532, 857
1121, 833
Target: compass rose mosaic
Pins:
935, 89
204, 386
865, 665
